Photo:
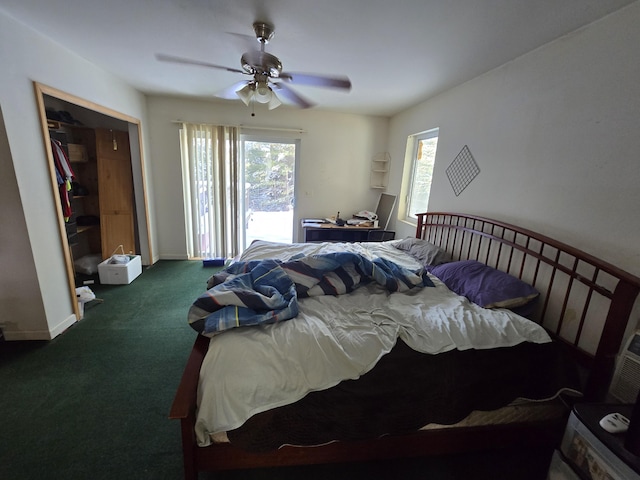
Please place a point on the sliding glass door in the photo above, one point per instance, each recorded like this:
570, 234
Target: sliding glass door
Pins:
269, 188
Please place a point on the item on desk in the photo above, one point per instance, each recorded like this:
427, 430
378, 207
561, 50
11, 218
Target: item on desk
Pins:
615, 423
315, 220
340, 222
359, 222
366, 215
356, 221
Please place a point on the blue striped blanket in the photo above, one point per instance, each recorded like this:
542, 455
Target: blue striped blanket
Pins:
267, 291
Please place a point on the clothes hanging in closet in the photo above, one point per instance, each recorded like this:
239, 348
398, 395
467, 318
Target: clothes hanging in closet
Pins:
64, 176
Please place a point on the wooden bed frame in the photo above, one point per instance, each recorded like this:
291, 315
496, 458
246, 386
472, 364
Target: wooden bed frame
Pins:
585, 304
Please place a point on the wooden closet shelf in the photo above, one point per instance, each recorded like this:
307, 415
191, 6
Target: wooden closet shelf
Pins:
84, 228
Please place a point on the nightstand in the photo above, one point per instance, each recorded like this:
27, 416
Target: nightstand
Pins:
590, 452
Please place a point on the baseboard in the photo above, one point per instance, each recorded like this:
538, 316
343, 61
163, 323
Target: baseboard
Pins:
30, 335
40, 334
62, 327
174, 257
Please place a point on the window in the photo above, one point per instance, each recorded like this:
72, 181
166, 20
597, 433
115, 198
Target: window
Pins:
419, 172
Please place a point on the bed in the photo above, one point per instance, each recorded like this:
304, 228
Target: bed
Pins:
570, 328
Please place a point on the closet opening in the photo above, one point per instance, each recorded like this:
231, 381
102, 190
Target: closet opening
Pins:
96, 167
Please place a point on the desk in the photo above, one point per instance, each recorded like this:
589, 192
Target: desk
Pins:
328, 232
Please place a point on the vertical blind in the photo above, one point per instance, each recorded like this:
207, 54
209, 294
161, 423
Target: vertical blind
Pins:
211, 182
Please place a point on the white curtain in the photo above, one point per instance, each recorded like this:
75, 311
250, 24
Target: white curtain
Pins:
212, 190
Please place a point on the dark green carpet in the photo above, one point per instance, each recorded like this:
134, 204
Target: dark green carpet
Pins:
93, 403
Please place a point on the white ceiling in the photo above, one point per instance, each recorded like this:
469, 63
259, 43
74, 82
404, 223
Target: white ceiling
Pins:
396, 52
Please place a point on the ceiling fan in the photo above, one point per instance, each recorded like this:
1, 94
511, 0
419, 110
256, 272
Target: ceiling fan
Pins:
265, 68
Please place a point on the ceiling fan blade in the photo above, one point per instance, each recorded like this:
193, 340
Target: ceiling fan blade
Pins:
247, 42
313, 80
230, 93
186, 61
288, 94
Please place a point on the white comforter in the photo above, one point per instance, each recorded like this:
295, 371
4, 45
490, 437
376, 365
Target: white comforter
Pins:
250, 370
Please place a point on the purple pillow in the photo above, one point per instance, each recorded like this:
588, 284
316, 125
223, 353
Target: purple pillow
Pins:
484, 285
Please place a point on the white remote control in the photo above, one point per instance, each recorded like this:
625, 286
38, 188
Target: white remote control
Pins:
615, 423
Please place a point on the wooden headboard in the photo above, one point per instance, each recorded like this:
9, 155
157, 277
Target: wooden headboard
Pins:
585, 303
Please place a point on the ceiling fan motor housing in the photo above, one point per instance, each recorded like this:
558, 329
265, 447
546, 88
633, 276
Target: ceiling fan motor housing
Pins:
261, 62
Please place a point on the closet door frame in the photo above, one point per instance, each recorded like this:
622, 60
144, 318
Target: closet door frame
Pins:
41, 90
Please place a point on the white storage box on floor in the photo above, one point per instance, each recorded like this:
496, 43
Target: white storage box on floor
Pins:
120, 273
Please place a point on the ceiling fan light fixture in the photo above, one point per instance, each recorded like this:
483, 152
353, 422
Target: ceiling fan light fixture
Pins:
274, 102
246, 93
263, 93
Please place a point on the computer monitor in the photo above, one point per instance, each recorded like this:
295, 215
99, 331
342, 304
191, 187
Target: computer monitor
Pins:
386, 202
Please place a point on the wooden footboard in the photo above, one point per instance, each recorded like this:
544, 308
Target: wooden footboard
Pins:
585, 303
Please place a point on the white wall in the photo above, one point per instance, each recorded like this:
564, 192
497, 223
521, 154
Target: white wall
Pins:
555, 134
38, 306
16, 292
335, 156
